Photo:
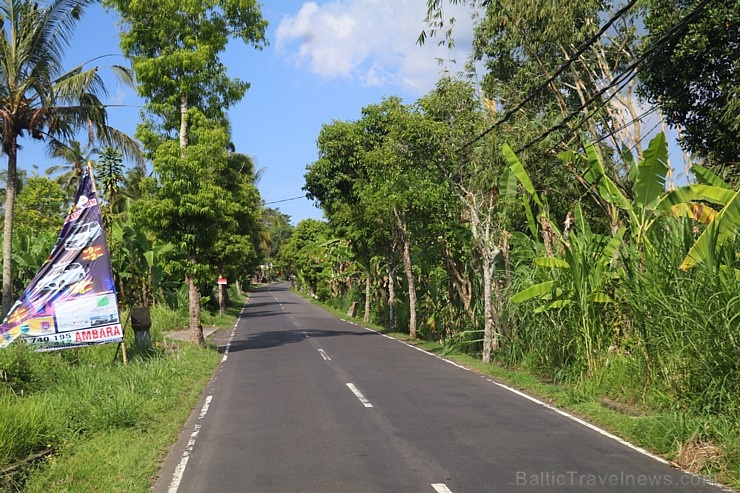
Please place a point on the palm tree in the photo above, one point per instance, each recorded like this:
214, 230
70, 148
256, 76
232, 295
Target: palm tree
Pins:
76, 156
41, 100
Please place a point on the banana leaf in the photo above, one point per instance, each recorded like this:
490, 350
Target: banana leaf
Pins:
517, 168
698, 212
707, 177
552, 262
690, 193
725, 224
652, 172
536, 291
608, 190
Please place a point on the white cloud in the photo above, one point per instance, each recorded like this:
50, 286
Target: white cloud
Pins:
371, 41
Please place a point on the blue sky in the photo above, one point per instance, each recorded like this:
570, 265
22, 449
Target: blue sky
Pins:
325, 61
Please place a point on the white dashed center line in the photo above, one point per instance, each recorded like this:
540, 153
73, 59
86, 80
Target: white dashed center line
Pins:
359, 395
441, 488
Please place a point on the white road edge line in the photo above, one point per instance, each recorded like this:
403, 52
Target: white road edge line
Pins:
180, 469
359, 395
546, 405
441, 488
324, 355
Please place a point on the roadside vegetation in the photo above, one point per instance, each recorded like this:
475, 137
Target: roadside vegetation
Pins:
90, 423
535, 220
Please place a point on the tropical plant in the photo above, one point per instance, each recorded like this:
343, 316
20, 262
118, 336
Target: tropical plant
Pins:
39, 99
110, 172
648, 179
176, 48
31, 250
691, 201
40, 206
76, 158
581, 284
675, 76
137, 261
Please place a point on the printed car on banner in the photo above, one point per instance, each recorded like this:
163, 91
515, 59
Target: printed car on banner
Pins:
71, 301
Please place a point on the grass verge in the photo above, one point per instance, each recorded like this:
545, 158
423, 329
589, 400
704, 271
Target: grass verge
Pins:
107, 425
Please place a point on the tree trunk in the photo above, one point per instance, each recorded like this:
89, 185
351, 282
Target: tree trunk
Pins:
8, 227
407, 267
391, 298
412, 288
368, 290
183, 121
462, 285
196, 330
489, 341
508, 325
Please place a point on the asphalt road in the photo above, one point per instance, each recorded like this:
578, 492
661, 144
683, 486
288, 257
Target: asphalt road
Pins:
304, 402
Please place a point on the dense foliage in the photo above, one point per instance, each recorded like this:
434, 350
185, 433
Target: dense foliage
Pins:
526, 221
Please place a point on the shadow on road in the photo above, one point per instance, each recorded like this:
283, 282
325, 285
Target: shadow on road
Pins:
266, 303
271, 339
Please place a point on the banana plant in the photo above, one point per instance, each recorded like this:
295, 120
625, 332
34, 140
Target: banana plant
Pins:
507, 184
580, 284
648, 184
691, 201
515, 172
30, 252
650, 200
137, 263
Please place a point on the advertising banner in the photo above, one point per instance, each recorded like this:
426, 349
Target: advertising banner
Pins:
71, 301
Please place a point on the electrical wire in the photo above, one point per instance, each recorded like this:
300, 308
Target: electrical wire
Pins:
581, 49
628, 71
285, 200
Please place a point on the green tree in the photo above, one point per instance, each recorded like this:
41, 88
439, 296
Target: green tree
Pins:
110, 172
547, 79
109, 177
299, 253
185, 203
279, 228
39, 99
40, 206
472, 172
694, 77
235, 252
371, 183
175, 47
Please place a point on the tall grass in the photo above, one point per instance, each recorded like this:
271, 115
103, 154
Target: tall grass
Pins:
688, 325
83, 404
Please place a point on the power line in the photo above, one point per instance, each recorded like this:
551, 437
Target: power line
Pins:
581, 49
285, 200
629, 71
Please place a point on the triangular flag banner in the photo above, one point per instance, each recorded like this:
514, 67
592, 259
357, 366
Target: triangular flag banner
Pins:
71, 301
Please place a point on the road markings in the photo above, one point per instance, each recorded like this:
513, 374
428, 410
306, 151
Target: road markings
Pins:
324, 355
588, 425
534, 400
441, 488
359, 395
180, 469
